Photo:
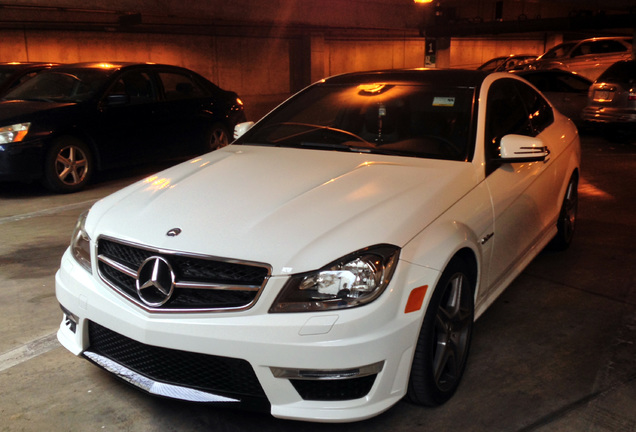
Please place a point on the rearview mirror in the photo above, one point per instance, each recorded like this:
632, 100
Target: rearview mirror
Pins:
521, 148
241, 128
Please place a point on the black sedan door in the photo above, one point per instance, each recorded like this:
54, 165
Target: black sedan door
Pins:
130, 125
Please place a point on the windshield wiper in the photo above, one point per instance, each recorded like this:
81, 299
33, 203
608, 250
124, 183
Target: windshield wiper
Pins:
332, 146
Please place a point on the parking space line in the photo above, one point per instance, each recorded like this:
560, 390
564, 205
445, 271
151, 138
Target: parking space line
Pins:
46, 212
28, 351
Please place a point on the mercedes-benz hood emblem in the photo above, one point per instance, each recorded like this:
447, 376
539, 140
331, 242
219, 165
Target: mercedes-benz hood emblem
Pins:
174, 232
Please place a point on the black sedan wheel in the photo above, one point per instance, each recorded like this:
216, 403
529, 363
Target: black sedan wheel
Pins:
444, 340
68, 165
218, 136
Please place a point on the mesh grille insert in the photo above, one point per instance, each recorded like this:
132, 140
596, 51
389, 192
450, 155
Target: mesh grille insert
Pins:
224, 376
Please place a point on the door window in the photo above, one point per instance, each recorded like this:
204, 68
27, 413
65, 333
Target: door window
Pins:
138, 86
178, 86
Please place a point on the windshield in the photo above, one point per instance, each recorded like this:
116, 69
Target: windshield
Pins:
60, 86
557, 51
6, 72
396, 119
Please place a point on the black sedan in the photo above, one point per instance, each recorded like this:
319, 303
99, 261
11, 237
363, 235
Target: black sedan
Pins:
70, 121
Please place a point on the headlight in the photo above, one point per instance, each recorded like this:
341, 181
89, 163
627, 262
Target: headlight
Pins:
81, 244
14, 133
354, 280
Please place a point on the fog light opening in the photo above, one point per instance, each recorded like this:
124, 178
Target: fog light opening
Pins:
70, 320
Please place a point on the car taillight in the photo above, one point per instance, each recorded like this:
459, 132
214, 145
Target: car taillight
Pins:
632, 95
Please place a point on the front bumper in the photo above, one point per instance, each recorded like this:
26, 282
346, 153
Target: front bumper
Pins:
21, 161
332, 366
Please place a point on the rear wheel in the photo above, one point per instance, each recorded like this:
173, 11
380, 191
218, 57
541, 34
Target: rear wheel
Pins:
567, 216
68, 165
218, 136
444, 341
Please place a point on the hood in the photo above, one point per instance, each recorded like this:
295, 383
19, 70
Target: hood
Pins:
296, 209
19, 110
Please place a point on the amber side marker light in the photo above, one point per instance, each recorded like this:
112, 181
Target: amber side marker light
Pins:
416, 298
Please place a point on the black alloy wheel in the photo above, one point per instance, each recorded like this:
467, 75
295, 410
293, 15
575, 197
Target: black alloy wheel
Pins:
444, 341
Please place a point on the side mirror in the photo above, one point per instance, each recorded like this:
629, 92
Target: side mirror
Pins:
117, 100
521, 148
241, 128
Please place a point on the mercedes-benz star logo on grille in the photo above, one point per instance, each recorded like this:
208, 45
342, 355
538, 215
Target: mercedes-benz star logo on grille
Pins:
155, 281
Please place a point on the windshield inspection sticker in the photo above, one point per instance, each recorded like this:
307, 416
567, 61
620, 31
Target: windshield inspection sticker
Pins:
443, 101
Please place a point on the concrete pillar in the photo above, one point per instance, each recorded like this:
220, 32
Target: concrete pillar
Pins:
317, 56
443, 52
307, 60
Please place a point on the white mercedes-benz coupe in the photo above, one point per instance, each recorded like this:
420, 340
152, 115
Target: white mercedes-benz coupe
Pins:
333, 259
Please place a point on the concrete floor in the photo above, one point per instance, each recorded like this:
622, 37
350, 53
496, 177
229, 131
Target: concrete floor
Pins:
556, 352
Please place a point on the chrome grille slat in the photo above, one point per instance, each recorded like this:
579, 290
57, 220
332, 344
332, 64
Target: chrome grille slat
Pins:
202, 283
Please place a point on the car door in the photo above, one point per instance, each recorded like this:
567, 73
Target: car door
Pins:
129, 128
187, 110
520, 191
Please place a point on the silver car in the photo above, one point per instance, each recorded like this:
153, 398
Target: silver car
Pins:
588, 57
612, 98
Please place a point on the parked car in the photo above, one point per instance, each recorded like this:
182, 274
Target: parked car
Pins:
333, 259
588, 57
71, 120
507, 63
566, 91
612, 98
14, 73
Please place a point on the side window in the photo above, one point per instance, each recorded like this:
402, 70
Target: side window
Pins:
539, 111
608, 47
138, 86
584, 49
506, 114
177, 87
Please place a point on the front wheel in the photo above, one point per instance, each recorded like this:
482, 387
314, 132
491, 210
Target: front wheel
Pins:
444, 341
68, 165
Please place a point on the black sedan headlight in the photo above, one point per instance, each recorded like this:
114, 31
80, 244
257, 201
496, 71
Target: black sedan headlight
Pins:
354, 280
81, 244
14, 133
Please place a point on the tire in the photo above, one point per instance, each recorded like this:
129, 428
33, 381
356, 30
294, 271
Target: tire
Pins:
218, 136
566, 223
444, 340
68, 165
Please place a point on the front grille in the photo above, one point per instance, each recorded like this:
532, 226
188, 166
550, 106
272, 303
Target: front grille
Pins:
334, 390
224, 376
202, 283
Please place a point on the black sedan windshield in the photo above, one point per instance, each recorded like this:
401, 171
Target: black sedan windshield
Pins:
60, 86
397, 119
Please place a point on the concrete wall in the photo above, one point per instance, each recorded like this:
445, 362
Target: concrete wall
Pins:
258, 68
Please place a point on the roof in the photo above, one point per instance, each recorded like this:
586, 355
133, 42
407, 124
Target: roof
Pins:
445, 77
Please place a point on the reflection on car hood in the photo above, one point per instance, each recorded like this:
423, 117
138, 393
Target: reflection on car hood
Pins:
290, 208
19, 109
